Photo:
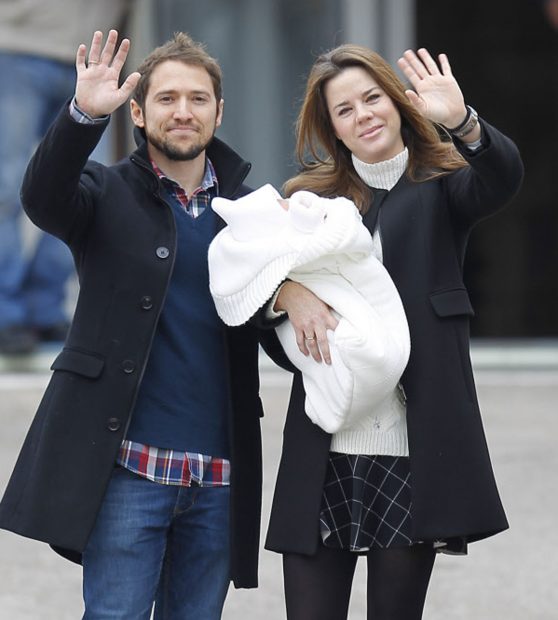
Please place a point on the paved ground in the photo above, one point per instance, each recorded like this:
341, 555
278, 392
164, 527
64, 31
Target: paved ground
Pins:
510, 577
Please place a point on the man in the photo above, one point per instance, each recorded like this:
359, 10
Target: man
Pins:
149, 380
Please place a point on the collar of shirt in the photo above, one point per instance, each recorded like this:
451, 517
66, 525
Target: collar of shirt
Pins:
200, 198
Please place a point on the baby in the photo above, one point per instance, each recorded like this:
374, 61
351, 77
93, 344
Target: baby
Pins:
322, 244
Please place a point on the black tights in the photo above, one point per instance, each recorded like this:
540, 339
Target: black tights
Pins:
318, 587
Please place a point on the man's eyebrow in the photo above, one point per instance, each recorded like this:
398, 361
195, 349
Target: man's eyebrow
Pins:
168, 91
173, 91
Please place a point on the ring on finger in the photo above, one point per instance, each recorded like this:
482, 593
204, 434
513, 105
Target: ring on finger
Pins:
309, 338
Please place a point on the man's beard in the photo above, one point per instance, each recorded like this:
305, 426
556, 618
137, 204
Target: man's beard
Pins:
175, 153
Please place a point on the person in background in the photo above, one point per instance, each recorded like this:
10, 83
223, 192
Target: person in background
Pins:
423, 169
550, 11
144, 458
38, 39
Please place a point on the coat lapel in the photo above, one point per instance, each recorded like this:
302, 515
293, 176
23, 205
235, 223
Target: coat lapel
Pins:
398, 215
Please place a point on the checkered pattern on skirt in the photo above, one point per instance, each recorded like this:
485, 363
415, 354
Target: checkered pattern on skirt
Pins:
366, 502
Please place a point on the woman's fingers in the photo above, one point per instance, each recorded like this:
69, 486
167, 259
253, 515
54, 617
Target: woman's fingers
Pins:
311, 319
444, 64
414, 65
421, 65
428, 62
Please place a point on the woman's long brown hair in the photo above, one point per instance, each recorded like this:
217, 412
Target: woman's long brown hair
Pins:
326, 166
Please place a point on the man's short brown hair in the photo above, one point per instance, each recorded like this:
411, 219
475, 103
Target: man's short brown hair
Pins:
183, 49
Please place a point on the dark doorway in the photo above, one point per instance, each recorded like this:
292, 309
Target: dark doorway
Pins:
505, 56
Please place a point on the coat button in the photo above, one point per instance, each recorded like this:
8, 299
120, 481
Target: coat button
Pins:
113, 424
128, 366
146, 302
162, 252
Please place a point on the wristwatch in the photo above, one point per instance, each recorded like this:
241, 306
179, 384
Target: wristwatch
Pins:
467, 126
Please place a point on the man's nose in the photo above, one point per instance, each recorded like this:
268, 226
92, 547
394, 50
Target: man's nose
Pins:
183, 109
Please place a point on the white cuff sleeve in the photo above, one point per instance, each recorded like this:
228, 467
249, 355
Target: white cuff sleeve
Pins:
270, 313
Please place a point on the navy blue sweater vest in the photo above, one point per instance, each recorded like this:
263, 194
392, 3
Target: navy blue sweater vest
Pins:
182, 401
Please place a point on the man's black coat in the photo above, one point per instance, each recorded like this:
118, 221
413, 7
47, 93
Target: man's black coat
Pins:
123, 239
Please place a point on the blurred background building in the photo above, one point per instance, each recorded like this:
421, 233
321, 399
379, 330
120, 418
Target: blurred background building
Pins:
504, 54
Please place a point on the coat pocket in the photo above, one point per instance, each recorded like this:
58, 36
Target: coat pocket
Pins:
86, 364
451, 302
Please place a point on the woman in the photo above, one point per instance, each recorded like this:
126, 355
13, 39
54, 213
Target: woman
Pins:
363, 136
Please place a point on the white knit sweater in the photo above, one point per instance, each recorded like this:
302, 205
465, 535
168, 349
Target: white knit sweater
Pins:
322, 244
374, 436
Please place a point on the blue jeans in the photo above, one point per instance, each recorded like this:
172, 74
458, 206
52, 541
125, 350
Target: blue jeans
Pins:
32, 288
157, 543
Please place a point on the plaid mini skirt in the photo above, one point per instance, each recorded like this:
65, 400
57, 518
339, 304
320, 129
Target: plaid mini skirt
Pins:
366, 502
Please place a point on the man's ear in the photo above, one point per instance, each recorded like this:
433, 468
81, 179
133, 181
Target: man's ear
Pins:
136, 113
219, 118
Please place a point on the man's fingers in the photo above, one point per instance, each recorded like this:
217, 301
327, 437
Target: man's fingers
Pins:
129, 84
121, 55
95, 50
80, 57
110, 46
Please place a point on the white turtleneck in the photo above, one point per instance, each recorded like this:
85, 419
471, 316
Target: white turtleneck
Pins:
385, 430
383, 174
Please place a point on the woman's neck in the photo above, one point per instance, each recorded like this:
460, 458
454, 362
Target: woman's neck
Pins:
384, 174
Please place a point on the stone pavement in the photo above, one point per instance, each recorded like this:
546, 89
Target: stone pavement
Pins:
512, 576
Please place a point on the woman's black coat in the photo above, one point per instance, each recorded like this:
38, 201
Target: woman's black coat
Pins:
424, 229
123, 238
